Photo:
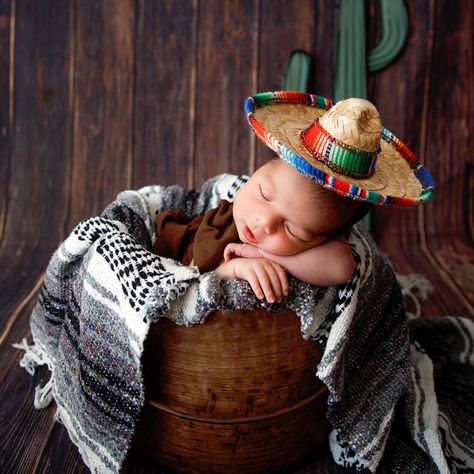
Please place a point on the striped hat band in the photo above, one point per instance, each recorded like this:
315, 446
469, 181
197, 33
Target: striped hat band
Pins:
337, 155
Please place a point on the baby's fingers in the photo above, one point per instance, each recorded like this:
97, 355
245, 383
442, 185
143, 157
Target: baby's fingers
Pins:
270, 282
283, 278
278, 280
228, 251
255, 285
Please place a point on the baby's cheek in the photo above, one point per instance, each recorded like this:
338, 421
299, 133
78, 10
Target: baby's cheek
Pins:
280, 246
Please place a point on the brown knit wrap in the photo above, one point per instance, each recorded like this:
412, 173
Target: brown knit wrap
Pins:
199, 238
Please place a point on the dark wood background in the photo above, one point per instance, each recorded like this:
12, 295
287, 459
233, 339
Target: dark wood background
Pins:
101, 96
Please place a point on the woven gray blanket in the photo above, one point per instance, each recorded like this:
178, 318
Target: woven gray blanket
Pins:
407, 405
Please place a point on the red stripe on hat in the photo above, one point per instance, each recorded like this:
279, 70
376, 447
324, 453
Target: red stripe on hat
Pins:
342, 186
257, 126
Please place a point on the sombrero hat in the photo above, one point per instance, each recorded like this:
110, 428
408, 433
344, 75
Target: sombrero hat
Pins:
342, 146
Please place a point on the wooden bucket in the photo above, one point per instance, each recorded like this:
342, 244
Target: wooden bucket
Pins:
237, 393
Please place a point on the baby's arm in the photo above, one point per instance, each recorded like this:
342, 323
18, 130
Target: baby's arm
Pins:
267, 278
329, 264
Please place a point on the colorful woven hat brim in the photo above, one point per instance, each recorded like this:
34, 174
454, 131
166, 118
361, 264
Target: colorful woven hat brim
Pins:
343, 185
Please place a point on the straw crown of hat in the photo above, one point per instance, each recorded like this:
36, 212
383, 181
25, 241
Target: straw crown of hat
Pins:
342, 146
346, 138
355, 122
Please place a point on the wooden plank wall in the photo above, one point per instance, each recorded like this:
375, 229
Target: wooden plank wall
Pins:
99, 96
427, 97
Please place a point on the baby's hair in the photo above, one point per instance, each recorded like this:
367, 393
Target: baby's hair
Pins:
351, 210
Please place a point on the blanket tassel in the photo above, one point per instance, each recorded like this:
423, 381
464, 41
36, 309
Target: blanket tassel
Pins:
44, 395
32, 358
416, 287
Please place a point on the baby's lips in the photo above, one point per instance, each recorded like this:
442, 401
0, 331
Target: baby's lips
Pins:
249, 235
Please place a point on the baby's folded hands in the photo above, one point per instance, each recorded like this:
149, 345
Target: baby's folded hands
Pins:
267, 279
241, 250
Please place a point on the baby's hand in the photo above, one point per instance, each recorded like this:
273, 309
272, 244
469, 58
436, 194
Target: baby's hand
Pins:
267, 278
241, 250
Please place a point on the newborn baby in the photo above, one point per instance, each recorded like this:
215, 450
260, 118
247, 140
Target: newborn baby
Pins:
288, 223
280, 222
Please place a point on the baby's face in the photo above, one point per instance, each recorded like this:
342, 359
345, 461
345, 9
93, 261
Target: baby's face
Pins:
277, 211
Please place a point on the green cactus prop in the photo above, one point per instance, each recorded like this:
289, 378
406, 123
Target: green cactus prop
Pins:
296, 73
352, 64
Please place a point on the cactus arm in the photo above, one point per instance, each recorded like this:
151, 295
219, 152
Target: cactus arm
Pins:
394, 33
296, 73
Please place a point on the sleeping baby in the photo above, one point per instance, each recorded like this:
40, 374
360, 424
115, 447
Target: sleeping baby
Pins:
281, 221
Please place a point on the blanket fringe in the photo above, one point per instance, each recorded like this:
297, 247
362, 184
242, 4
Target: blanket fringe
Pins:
57, 416
33, 356
415, 287
44, 395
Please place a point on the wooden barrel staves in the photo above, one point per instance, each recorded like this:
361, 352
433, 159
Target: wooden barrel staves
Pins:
237, 393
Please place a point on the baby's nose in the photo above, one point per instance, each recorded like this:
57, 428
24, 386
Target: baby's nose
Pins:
268, 223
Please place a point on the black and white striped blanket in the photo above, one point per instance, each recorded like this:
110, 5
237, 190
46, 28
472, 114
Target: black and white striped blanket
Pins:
103, 287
